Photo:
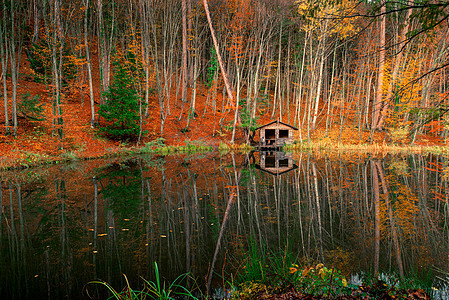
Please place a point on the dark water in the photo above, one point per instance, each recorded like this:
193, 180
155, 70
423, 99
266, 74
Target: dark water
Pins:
64, 226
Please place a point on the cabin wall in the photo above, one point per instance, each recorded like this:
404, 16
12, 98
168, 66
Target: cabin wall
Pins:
266, 138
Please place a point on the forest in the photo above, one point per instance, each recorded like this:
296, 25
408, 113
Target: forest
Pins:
110, 79
84, 77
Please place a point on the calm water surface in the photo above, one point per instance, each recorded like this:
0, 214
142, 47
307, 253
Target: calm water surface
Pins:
63, 226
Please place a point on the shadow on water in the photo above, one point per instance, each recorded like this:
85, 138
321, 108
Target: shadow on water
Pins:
64, 226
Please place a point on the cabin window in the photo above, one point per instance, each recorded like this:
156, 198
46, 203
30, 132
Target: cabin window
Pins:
283, 134
283, 162
270, 162
270, 134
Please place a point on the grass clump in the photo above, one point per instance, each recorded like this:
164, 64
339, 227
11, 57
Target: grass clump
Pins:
244, 148
69, 156
224, 147
153, 145
157, 289
196, 146
126, 294
158, 146
299, 146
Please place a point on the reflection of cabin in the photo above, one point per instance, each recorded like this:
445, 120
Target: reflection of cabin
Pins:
275, 134
276, 162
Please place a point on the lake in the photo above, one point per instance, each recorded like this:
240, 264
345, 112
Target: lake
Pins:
63, 226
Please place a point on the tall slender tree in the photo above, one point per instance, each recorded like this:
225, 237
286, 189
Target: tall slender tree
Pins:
88, 62
379, 100
220, 62
4, 52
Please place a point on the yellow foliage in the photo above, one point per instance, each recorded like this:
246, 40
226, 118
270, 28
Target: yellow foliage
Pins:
336, 13
410, 96
446, 173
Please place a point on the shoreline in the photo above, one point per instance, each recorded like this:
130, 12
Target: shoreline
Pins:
29, 159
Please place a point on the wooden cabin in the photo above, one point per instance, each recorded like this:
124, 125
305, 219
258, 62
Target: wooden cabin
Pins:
276, 162
275, 134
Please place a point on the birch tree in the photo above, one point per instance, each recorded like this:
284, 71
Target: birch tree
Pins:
378, 103
4, 51
88, 62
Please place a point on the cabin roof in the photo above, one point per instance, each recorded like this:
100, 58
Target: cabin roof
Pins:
274, 171
278, 122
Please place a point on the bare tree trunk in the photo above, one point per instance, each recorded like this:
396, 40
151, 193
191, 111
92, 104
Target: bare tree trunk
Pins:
320, 79
104, 47
15, 49
144, 13
220, 61
329, 115
184, 52
4, 51
311, 83
256, 84
89, 65
300, 92
236, 111
36, 21
195, 84
378, 104
278, 79
57, 66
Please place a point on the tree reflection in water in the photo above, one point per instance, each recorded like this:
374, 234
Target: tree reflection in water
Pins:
63, 226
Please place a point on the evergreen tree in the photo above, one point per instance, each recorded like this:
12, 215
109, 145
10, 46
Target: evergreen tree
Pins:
121, 108
31, 108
